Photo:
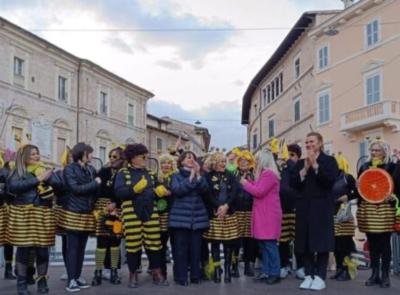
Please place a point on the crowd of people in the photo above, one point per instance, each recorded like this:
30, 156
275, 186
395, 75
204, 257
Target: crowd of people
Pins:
285, 208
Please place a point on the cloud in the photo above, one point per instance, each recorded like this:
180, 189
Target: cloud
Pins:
222, 120
120, 44
171, 65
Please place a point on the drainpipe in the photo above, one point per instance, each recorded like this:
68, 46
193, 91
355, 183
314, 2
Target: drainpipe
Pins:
78, 98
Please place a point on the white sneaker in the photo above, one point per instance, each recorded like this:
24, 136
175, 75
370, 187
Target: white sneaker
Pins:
306, 284
300, 274
64, 277
106, 274
318, 284
284, 273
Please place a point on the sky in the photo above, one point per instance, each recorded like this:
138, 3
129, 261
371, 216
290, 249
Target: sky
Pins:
194, 55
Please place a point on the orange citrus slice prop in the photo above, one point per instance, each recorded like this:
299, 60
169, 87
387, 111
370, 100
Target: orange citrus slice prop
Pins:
375, 184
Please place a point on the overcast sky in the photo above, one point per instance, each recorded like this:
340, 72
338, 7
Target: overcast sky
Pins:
195, 75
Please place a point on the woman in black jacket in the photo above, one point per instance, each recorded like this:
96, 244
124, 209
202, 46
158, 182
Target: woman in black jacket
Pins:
188, 218
377, 220
77, 218
4, 200
224, 227
31, 224
313, 179
107, 210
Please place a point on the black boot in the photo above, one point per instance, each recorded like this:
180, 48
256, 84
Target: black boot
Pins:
343, 275
385, 282
30, 275
114, 278
22, 286
97, 279
227, 265
249, 269
235, 267
217, 274
8, 273
339, 271
374, 278
42, 287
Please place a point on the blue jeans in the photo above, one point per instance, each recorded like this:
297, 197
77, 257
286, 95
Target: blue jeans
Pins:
271, 264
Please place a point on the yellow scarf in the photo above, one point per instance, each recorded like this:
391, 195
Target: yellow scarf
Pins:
45, 191
376, 162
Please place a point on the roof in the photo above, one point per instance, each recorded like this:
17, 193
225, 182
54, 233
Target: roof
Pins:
300, 26
46, 43
158, 118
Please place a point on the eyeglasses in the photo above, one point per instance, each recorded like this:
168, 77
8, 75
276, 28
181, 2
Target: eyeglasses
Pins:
113, 157
376, 150
144, 157
292, 155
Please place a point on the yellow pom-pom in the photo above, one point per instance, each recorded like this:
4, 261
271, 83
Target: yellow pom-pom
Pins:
140, 186
161, 191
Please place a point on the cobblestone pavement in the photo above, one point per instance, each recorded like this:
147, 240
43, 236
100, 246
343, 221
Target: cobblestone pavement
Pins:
239, 286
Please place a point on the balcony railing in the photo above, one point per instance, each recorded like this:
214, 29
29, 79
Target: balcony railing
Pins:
383, 113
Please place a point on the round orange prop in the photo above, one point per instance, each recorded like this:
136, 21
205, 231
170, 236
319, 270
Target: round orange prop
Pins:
375, 184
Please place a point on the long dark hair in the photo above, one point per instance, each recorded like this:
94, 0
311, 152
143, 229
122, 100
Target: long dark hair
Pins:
183, 156
22, 157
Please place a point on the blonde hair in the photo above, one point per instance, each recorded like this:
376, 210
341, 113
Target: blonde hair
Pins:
167, 158
214, 159
22, 157
265, 160
385, 148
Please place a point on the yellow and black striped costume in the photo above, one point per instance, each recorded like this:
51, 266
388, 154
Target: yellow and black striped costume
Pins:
375, 218
77, 221
288, 227
99, 209
244, 223
140, 232
222, 192
3, 224
164, 203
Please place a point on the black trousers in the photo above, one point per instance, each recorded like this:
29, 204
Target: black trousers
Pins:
76, 244
187, 250
8, 253
42, 260
380, 250
344, 246
286, 253
250, 249
164, 242
316, 264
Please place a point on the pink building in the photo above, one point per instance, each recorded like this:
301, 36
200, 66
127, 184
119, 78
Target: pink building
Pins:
335, 73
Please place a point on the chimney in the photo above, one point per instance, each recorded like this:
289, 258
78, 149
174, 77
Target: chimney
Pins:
347, 3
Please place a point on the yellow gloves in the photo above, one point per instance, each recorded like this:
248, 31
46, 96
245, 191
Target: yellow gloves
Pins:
140, 186
161, 191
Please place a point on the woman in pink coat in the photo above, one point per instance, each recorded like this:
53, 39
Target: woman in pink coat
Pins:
266, 214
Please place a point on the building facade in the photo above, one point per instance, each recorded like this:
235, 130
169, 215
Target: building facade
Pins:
55, 99
343, 86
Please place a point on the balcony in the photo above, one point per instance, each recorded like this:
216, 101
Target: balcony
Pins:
384, 113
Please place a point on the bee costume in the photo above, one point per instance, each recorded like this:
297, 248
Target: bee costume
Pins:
136, 188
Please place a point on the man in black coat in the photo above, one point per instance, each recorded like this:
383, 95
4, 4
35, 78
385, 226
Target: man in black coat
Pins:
313, 179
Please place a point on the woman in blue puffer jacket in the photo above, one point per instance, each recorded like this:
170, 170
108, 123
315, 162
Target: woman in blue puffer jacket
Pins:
188, 218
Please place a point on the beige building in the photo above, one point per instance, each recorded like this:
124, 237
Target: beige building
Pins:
58, 99
163, 134
346, 88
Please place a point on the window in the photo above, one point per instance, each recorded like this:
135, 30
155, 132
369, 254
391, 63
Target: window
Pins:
264, 96
255, 141
16, 137
271, 128
62, 88
277, 86
281, 82
373, 88
131, 112
324, 112
297, 68
269, 94
102, 154
103, 103
61, 144
323, 57
372, 33
159, 145
272, 91
18, 66
296, 111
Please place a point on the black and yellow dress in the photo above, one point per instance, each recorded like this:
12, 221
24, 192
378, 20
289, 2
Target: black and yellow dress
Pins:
243, 206
31, 222
164, 206
222, 190
344, 229
3, 205
377, 221
107, 227
136, 188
